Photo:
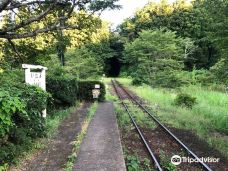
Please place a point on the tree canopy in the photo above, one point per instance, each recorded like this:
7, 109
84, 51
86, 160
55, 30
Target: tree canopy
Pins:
21, 18
203, 21
195, 38
64, 24
155, 57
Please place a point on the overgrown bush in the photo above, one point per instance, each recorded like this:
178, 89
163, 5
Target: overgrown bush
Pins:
20, 118
9, 106
136, 82
220, 71
85, 90
203, 77
12, 77
63, 89
185, 100
166, 74
35, 101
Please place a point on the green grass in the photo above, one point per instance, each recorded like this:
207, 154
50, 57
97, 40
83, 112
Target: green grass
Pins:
123, 119
54, 119
79, 138
142, 119
166, 163
108, 95
133, 163
209, 117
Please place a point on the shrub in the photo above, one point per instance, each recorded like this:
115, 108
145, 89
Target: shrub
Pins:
35, 101
63, 89
136, 82
203, 77
185, 100
8, 107
85, 90
133, 163
20, 119
12, 77
220, 71
21, 106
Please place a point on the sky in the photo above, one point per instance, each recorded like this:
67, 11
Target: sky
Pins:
116, 17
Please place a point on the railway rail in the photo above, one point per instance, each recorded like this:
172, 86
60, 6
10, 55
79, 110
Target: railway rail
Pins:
117, 86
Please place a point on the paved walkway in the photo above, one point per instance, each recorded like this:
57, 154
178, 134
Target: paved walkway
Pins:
101, 149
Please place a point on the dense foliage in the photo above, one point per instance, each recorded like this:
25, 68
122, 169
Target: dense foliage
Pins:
84, 63
21, 107
156, 57
88, 27
63, 90
20, 118
28, 18
203, 21
185, 100
85, 90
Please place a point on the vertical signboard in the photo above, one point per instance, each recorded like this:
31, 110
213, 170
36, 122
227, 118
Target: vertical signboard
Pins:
36, 75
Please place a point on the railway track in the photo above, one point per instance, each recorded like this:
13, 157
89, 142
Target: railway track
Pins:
122, 93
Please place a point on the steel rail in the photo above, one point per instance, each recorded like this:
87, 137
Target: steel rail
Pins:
205, 166
157, 165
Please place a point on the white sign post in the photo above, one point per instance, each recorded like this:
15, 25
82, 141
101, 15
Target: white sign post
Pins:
96, 91
37, 78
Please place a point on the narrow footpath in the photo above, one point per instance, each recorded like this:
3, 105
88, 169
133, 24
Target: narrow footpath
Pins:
54, 156
101, 148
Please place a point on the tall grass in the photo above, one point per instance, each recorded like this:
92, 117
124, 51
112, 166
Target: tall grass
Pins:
208, 118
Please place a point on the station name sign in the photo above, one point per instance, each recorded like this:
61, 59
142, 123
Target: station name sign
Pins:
36, 75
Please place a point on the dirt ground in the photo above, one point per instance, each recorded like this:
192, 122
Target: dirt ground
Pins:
54, 156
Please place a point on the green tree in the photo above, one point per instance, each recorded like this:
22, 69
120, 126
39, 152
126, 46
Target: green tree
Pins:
21, 15
204, 21
156, 57
83, 63
40, 29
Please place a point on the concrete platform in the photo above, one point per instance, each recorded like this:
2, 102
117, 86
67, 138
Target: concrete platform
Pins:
101, 149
